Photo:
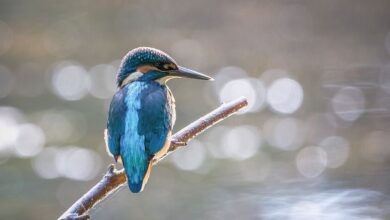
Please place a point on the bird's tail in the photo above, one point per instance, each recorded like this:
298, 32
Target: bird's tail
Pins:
137, 168
135, 187
138, 186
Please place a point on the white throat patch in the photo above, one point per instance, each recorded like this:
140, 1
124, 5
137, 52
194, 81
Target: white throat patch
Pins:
132, 77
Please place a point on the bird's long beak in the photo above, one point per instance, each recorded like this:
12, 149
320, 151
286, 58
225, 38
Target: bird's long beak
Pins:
188, 73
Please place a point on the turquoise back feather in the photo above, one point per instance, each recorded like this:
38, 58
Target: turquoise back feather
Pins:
139, 121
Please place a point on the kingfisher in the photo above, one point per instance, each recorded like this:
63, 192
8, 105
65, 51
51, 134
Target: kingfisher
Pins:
142, 112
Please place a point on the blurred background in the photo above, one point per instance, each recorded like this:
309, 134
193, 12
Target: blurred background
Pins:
313, 144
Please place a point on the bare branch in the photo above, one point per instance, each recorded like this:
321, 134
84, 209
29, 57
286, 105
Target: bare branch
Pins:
114, 179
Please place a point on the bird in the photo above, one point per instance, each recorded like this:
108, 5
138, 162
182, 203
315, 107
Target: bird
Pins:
142, 112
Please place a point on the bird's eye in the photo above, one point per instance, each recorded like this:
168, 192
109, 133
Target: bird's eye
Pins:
169, 66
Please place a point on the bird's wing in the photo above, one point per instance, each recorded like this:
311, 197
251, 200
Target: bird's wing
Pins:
115, 123
146, 125
156, 120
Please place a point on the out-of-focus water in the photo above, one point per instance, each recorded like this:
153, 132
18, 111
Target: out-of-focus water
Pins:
313, 143
337, 204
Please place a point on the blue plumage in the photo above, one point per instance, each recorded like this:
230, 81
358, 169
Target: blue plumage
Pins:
139, 121
156, 112
115, 125
142, 112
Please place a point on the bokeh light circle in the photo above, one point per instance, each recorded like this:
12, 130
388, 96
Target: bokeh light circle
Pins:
70, 82
44, 163
337, 150
190, 157
30, 140
348, 104
57, 126
214, 141
226, 74
284, 133
285, 95
9, 128
241, 142
250, 88
78, 163
311, 161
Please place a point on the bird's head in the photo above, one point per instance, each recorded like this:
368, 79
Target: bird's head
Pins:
149, 64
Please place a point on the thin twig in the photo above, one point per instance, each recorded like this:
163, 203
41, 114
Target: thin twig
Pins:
114, 179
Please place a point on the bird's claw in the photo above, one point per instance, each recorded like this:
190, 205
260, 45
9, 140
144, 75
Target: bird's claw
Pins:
111, 168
